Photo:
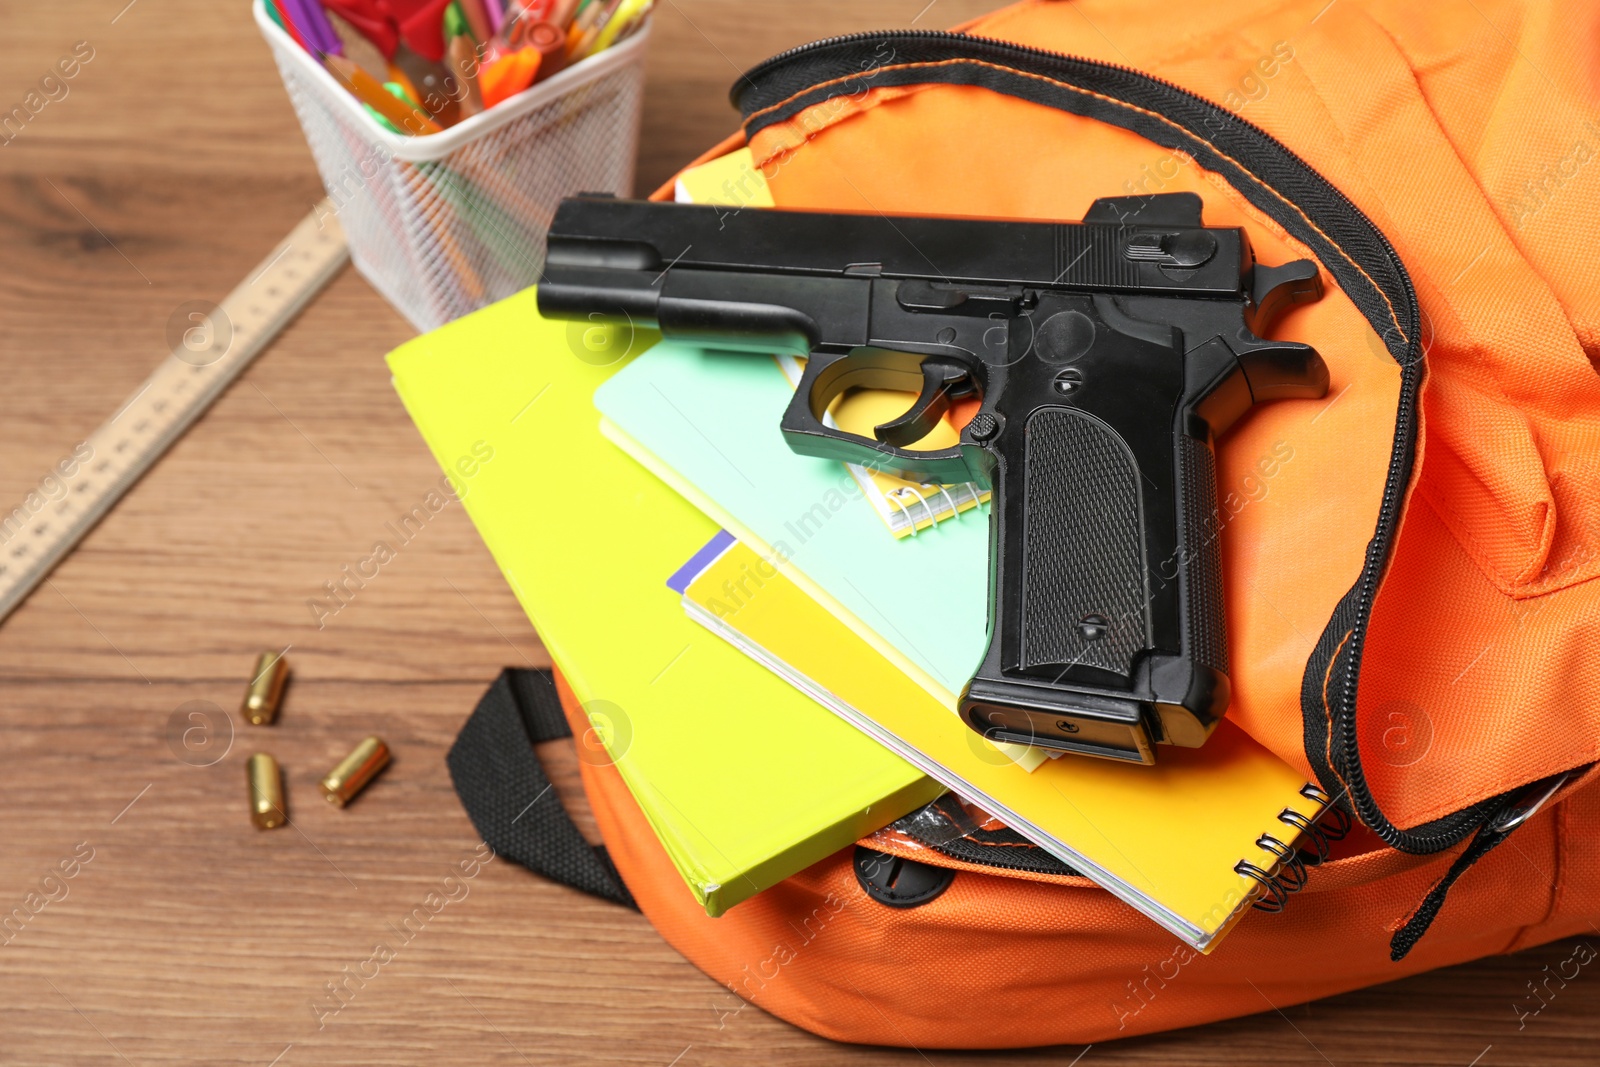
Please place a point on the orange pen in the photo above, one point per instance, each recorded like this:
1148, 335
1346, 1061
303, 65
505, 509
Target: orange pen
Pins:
508, 75
370, 91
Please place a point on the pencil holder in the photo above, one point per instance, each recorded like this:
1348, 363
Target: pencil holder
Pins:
447, 223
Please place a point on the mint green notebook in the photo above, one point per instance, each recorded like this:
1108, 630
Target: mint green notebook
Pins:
744, 779
707, 423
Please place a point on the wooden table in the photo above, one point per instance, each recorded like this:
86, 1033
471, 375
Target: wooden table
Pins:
171, 166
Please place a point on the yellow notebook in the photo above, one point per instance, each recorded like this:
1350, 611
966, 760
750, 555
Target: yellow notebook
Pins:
732, 181
1166, 839
744, 780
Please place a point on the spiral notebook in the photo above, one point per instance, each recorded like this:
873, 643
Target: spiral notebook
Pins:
1191, 842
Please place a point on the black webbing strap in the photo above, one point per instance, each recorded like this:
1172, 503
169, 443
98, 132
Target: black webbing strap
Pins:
1516, 808
507, 795
1409, 934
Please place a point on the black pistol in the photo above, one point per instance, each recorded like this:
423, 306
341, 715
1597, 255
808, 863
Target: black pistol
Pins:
1108, 356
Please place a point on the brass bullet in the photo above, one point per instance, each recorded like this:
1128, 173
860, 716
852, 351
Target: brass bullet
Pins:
260, 705
355, 771
266, 791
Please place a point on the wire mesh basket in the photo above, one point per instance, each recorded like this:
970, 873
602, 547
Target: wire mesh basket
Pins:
444, 224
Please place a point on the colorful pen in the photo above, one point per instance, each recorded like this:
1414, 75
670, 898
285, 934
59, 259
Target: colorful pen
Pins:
367, 89
561, 14
626, 15
547, 39
508, 75
286, 20
587, 26
314, 27
464, 64
478, 19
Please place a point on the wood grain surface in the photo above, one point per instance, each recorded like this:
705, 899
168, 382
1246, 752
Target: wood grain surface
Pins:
173, 163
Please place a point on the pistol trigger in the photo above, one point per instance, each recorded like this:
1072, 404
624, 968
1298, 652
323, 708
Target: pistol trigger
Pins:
942, 382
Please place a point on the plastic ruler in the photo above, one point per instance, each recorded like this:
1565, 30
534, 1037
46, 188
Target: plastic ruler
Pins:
214, 344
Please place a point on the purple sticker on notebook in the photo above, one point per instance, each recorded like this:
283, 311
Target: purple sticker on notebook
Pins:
698, 562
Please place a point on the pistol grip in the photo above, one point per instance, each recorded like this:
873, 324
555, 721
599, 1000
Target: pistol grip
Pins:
1107, 629
1069, 591
1082, 579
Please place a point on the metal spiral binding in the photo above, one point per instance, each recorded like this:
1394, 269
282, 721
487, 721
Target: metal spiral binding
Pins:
1320, 839
1291, 871
894, 498
933, 516
1275, 896
1286, 873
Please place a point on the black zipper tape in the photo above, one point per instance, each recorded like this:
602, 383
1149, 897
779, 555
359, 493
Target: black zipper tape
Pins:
1281, 185
944, 827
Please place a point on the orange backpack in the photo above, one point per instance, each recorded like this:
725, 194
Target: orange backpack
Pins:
1412, 616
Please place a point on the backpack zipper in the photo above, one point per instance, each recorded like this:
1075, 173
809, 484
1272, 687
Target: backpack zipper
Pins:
944, 826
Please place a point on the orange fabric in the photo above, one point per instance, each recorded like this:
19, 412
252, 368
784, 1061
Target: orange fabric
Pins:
1478, 649
1070, 963
1469, 132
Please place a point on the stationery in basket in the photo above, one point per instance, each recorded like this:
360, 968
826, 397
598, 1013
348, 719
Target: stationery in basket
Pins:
449, 222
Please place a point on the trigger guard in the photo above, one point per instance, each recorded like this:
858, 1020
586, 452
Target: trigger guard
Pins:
806, 435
